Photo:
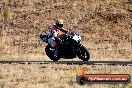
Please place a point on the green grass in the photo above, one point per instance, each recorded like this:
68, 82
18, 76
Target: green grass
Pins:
6, 13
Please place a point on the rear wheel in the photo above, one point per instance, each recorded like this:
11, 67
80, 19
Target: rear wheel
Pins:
52, 54
83, 54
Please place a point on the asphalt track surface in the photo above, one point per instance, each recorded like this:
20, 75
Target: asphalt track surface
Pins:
124, 63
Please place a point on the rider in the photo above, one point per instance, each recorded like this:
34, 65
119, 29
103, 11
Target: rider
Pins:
54, 32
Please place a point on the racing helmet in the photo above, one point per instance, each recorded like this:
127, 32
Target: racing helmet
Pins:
59, 23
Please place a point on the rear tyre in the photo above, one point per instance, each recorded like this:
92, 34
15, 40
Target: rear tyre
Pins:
51, 54
83, 54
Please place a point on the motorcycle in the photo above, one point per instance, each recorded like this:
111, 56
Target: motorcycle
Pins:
68, 46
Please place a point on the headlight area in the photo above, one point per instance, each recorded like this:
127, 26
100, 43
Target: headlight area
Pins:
77, 38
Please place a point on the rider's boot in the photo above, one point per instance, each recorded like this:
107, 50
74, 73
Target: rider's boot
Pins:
55, 50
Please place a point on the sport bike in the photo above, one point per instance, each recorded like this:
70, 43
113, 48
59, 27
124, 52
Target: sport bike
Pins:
68, 46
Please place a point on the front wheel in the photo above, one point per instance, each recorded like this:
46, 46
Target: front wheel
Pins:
83, 54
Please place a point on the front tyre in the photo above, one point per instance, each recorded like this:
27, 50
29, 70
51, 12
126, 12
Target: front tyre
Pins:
83, 54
